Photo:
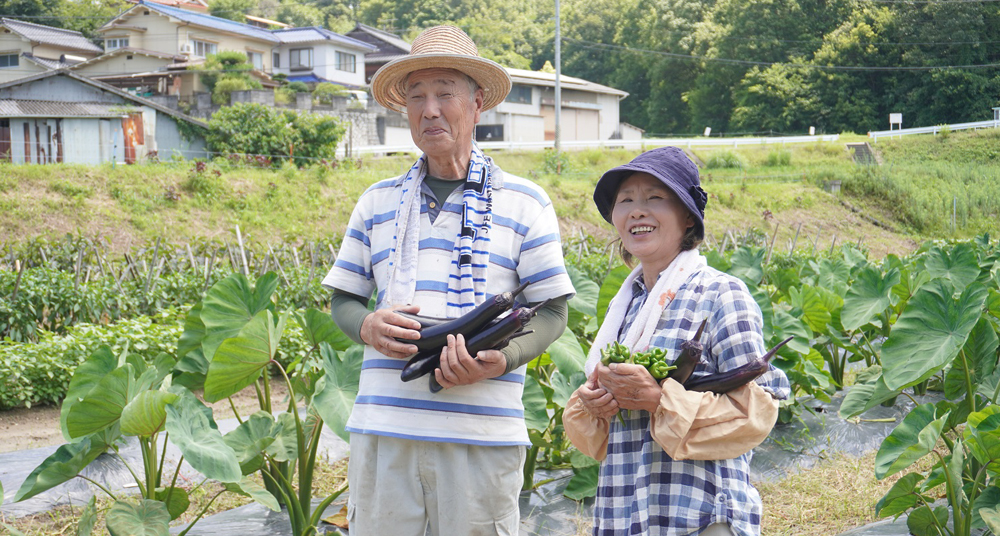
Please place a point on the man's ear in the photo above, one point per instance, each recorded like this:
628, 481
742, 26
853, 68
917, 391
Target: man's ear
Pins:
478, 99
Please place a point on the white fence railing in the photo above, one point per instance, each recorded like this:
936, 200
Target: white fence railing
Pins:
932, 130
642, 144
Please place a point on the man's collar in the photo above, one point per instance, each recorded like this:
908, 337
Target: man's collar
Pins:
497, 175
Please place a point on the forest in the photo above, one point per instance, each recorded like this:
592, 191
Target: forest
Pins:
738, 66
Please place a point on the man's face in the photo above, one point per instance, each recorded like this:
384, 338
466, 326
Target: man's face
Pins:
442, 111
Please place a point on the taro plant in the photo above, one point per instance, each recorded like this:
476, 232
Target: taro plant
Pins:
947, 331
230, 343
113, 398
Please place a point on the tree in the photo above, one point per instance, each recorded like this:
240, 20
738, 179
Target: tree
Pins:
226, 72
232, 9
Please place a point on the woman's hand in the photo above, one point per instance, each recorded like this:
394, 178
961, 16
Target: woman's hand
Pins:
459, 368
597, 400
380, 328
631, 385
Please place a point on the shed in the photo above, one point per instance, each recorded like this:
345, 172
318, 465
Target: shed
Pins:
61, 116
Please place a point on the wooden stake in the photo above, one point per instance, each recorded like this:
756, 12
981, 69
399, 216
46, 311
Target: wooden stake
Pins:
281, 270
770, 248
816, 240
243, 254
194, 267
208, 266
312, 261
833, 243
17, 284
796, 239
295, 252
79, 266
149, 274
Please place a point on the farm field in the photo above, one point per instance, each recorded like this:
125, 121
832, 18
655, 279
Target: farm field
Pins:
864, 266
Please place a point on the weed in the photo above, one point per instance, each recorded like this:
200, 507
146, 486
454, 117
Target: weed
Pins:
778, 157
70, 189
726, 159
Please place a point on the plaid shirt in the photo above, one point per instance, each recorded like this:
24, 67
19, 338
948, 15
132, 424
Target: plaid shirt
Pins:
641, 490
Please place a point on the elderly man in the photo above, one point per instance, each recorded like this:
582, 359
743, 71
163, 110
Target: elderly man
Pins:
451, 232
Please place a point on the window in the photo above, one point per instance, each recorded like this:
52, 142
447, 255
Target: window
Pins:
346, 62
300, 58
114, 43
276, 60
204, 48
9, 60
519, 94
256, 59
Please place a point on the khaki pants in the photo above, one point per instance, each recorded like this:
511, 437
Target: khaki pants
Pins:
399, 487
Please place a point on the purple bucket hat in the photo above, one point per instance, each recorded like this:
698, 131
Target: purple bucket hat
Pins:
672, 167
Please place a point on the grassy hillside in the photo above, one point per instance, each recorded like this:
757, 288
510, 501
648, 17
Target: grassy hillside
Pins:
758, 189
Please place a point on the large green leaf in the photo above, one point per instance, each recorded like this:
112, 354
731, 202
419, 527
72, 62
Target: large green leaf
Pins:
87, 376
199, 440
923, 522
148, 518
587, 292
869, 296
176, 499
337, 389
239, 361
991, 518
250, 440
583, 484
787, 325
903, 495
747, 264
563, 387
535, 414
63, 464
88, 518
986, 510
192, 361
319, 327
982, 435
980, 358
609, 288
146, 413
959, 267
832, 274
913, 439
103, 406
567, 354
250, 488
230, 304
766, 310
930, 332
815, 311
286, 442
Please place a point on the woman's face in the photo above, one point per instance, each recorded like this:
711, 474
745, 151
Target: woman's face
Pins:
650, 219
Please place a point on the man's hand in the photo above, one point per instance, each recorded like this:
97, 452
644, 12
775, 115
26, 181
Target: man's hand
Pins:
597, 400
631, 385
379, 329
459, 368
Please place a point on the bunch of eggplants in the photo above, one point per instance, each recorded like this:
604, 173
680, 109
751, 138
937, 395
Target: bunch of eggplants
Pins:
486, 327
683, 366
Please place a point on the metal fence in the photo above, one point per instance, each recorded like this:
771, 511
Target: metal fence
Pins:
932, 130
641, 144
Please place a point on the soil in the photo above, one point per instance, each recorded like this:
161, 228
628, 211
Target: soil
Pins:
24, 428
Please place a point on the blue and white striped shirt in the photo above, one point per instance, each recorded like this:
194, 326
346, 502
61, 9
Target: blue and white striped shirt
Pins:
641, 490
524, 246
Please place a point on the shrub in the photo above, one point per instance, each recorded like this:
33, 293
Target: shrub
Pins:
779, 157
298, 87
725, 159
225, 64
325, 92
225, 87
249, 128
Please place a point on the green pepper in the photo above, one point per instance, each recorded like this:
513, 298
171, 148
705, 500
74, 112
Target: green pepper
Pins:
641, 359
660, 370
605, 357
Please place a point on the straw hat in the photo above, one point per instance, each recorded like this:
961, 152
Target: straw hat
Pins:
443, 47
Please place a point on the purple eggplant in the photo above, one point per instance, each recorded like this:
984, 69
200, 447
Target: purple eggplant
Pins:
689, 358
724, 382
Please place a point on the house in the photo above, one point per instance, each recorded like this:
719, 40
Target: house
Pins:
387, 47
590, 111
61, 116
172, 31
27, 48
315, 54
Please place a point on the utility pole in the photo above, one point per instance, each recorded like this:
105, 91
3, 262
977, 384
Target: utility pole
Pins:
558, 104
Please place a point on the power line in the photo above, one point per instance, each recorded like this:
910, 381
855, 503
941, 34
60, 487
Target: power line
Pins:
696, 57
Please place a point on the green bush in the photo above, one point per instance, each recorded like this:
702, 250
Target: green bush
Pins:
225, 87
224, 65
778, 157
298, 87
725, 159
250, 128
325, 92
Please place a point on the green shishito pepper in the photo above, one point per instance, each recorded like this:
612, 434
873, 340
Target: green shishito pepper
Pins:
653, 360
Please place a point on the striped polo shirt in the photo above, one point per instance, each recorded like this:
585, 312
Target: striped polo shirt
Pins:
524, 246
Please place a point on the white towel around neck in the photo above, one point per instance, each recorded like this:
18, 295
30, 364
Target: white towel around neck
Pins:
641, 331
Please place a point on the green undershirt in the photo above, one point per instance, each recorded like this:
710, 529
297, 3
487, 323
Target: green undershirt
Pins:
350, 310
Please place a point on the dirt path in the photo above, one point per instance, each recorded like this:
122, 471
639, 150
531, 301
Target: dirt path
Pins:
24, 428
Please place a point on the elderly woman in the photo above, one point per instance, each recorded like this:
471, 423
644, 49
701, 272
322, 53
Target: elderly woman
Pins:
677, 462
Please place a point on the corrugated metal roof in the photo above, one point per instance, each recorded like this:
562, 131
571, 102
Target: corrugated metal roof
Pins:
50, 36
215, 23
33, 108
383, 36
314, 33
